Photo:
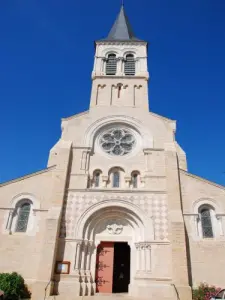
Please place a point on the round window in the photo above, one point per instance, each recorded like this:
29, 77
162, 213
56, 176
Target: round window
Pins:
117, 141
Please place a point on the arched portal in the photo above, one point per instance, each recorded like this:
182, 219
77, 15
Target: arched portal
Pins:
114, 226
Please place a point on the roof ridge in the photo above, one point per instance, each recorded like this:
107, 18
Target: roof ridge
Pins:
27, 176
203, 179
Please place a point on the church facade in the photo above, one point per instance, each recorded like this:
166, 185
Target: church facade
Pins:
116, 210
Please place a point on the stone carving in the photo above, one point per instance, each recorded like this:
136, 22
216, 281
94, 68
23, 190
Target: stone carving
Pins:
117, 141
114, 227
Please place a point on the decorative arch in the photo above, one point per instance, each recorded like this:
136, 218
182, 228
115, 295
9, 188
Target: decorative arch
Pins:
129, 52
132, 213
28, 196
94, 128
203, 202
113, 221
111, 169
113, 50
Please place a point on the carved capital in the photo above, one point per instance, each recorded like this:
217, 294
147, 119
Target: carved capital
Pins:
86, 242
127, 178
145, 245
105, 178
147, 151
79, 242
137, 245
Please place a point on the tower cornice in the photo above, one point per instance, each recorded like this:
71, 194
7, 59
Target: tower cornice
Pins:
120, 43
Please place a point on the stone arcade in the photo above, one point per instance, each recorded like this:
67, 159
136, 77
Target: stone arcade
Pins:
116, 210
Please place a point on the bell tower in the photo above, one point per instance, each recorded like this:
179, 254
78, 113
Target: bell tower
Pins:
120, 74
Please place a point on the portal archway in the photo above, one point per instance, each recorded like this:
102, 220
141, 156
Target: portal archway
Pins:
117, 222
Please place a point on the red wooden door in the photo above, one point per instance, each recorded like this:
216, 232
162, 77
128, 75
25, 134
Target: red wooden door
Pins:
104, 267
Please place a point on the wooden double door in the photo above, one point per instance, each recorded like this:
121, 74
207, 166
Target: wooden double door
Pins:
112, 267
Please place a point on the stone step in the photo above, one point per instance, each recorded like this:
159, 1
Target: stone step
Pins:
97, 297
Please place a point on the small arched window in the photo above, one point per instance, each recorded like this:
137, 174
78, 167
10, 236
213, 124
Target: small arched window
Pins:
23, 217
111, 65
96, 179
206, 222
116, 179
134, 180
129, 65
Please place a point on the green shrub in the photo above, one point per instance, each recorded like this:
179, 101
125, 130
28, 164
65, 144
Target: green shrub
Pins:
13, 286
204, 292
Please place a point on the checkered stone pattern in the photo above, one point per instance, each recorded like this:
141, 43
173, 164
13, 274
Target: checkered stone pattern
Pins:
73, 208
77, 204
160, 217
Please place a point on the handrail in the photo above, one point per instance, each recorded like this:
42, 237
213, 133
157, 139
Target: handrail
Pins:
178, 297
47, 287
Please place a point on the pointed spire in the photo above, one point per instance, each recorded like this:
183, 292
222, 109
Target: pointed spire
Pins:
121, 30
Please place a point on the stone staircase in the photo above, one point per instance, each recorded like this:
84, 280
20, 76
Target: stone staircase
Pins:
98, 297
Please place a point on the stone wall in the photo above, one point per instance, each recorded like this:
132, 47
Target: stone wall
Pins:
206, 258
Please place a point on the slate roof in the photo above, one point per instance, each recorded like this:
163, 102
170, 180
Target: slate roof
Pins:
121, 29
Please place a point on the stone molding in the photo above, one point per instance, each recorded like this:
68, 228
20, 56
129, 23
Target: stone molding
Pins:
116, 190
28, 176
120, 43
202, 179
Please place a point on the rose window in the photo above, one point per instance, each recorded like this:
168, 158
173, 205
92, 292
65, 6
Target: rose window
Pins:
117, 141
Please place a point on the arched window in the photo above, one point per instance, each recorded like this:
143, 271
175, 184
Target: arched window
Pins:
23, 217
129, 65
206, 222
135, 180
96, 179
111, 65
116, 179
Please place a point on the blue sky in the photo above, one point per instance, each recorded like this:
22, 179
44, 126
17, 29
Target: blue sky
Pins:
46, 58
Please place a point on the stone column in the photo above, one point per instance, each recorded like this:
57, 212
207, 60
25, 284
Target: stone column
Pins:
137, 245
120, 66
89, 256
77, 255
148, 257
10, 220
143, 258
127, 181
83, 256
105, 181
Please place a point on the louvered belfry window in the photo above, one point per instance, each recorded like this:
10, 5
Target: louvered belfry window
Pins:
129, 66
111, 65
23, 217
207, 231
